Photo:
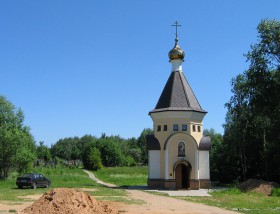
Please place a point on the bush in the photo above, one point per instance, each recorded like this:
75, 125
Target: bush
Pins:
129, 161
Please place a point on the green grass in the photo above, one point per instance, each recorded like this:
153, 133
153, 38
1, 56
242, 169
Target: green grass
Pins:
124, 176
234, 199
10, 192
60, 177
69, 178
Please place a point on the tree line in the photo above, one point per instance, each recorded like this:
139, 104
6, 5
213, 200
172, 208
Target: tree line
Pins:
108, 151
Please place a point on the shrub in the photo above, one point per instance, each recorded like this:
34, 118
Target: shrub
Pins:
129, 161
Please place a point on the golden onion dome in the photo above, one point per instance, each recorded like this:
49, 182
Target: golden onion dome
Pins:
176, 52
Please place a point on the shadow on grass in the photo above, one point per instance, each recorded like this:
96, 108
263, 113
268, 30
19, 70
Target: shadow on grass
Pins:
124, 187
137, 187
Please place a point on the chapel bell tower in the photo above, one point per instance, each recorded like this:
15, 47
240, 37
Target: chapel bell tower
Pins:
177, 151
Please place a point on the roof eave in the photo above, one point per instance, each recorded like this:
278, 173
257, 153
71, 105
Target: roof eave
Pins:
168, 110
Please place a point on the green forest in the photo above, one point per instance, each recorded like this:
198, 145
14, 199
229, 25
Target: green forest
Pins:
248, 148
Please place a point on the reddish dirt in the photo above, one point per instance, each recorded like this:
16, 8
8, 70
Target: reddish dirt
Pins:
71, 201
258, 186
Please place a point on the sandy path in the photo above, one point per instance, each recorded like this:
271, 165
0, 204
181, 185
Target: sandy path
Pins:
155, 204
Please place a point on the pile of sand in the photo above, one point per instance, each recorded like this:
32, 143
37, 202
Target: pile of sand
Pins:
258, 186
70, 201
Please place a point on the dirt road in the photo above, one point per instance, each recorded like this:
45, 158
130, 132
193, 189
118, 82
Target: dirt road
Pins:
155, 204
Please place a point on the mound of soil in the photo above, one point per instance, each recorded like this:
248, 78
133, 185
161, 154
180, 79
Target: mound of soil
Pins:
70, 201
258, 186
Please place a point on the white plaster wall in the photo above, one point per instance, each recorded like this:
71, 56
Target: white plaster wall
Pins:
204, 171
154, 164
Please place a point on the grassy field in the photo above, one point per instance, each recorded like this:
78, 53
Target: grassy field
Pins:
60, 177
234, 199
231, 199
124, 176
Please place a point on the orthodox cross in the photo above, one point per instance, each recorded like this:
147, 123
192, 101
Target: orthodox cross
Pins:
176, 25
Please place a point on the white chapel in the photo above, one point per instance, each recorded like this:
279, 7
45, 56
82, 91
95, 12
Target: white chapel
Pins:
178, 152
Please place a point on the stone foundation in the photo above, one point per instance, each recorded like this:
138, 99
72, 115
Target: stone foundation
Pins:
171, 184
194, 184
205, 183
161, 184
155, 183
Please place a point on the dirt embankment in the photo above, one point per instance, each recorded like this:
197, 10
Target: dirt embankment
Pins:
71, 201
258, 186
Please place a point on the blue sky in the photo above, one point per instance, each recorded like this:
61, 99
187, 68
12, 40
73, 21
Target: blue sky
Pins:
87, 67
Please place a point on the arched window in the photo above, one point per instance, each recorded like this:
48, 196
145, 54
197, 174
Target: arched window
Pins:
181, 149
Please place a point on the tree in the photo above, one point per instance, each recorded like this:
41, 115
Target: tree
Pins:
215, 153
17, 147
253, 117
111, 153
87, 144
43, 152
94, 158
66, 149
142, 144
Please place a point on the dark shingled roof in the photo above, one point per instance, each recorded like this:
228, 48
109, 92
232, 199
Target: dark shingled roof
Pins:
205, 143
177, 95
152, 142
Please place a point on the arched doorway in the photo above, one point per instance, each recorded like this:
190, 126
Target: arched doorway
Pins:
182, 175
